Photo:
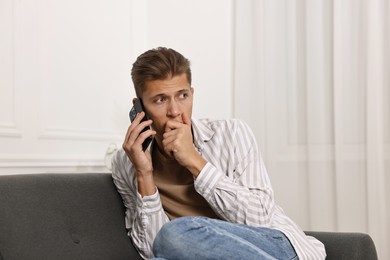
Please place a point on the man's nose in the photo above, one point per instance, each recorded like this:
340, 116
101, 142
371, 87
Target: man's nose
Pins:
173, 109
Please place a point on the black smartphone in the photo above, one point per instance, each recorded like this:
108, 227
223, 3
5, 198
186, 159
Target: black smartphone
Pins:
134, 111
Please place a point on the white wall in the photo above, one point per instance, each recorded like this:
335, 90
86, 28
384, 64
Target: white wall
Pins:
65, 73
67, 85
202, 31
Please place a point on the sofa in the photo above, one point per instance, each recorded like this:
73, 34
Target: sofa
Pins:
81, 216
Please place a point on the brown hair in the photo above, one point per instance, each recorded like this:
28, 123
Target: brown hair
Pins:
158, 64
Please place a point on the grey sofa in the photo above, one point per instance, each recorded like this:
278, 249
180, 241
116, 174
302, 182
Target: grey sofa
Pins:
81, 216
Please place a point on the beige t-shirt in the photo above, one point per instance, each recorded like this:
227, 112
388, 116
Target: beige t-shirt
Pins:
177, 192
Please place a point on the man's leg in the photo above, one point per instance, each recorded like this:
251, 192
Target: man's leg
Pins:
204, 238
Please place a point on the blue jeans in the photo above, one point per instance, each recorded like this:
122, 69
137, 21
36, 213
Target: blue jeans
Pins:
204, 238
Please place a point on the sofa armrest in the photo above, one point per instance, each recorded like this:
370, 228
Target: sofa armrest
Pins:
345, 246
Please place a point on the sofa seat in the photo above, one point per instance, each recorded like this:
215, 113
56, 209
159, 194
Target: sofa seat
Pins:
81, 216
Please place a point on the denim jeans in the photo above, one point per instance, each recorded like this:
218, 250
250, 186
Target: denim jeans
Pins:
204, 238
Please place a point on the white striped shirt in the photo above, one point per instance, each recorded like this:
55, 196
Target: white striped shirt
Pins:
234, 182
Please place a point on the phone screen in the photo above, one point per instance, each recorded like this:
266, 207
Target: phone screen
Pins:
134, 111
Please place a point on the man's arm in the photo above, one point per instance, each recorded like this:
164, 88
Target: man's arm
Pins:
133, 177
242, 193
234, 181
144, 214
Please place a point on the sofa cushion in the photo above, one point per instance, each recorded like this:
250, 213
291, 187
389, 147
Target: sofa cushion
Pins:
62, 216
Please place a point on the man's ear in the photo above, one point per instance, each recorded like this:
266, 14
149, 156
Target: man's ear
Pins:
134, 99
192, 90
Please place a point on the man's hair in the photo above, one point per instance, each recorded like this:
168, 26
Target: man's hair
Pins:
158, 64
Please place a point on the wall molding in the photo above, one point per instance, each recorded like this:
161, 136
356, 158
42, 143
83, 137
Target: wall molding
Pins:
46, 164
79, 134
49, 161
9, 130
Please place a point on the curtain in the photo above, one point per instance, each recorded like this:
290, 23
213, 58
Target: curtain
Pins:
312, 80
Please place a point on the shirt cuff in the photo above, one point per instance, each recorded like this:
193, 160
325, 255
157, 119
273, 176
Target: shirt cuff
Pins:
207, 180
149, 204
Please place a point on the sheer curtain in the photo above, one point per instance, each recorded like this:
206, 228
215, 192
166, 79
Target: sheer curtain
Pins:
312, 79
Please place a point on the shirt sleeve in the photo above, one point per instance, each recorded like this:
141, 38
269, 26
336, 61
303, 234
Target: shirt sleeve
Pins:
144, 215
243, 195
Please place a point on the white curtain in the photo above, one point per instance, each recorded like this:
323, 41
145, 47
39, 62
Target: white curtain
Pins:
312, 79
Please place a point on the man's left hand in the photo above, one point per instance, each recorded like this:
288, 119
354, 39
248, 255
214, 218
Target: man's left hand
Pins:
178, 143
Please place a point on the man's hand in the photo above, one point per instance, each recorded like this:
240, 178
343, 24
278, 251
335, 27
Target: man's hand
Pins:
178, 143
141, 160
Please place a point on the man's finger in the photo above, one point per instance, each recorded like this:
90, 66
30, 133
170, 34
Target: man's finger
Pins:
171, 125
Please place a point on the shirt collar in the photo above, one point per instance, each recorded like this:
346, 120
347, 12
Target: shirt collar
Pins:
202, 132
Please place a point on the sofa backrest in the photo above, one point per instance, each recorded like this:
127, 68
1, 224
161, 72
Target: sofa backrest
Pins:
62, 216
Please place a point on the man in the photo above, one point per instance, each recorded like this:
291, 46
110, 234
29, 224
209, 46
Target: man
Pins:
201, 190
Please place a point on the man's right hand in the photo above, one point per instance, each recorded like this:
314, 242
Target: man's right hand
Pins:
142, 160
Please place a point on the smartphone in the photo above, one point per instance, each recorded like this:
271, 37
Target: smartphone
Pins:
134, 111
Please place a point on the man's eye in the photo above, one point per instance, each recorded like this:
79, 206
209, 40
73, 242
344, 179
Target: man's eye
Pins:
183, 95
160, 100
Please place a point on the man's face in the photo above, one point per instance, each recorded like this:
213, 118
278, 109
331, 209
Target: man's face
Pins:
166, 100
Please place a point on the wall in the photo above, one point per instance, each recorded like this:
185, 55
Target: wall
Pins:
65, 74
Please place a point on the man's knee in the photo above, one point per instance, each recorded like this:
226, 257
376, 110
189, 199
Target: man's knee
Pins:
173, 236
173, 229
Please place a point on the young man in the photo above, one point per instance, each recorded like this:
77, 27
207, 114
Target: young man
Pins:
201, 190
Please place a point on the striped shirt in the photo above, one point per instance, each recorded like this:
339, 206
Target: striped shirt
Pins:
234, 182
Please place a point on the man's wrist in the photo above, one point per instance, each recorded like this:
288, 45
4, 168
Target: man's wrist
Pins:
146, 185
197, 165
